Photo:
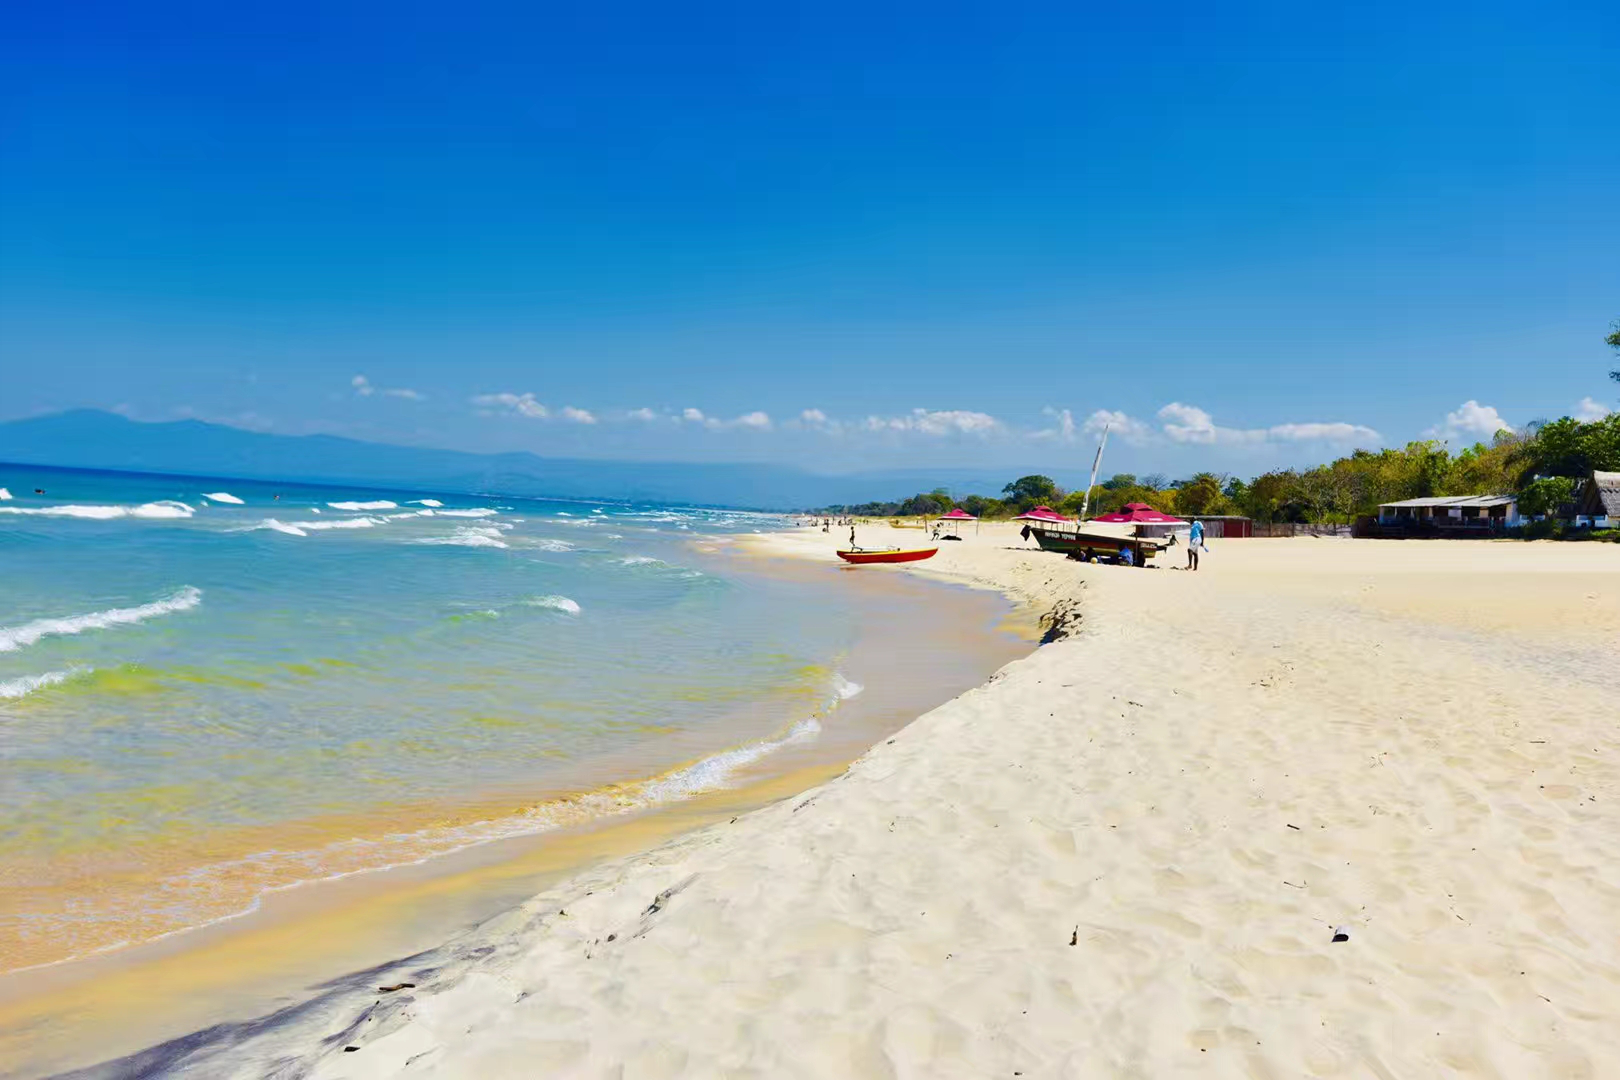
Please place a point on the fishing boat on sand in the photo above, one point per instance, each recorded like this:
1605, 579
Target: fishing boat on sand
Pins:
861, 556
1091, 541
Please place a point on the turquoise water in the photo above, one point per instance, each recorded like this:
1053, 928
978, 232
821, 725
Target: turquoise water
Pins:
208, 688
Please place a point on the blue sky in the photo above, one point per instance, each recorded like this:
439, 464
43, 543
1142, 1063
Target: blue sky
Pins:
844, 235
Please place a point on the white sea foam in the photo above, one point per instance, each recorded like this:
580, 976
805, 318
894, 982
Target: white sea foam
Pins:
641, 560
546, 543
435, 503
281, 527
379, 504
476, 512
19, 637
5, 495
19, 688
344, 523
564, 513
718, 770
222, 497
613, 536
555, 603
164, 509
845, 688
468, 536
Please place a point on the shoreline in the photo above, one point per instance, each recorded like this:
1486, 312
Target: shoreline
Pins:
469, 883
1129, 852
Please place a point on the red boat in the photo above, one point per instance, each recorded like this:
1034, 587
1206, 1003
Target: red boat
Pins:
863, 555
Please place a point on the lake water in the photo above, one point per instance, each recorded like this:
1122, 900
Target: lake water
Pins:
212, 689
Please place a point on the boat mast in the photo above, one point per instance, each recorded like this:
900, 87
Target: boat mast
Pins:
1085, 503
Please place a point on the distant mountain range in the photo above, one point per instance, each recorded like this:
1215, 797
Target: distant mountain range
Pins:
91, 439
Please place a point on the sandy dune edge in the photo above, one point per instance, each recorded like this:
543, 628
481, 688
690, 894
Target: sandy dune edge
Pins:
1125, 855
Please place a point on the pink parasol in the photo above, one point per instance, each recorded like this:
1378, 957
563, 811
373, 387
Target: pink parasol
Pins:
1140, 514
1042, 513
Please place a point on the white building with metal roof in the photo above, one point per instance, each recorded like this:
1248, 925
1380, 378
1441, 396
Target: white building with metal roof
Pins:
1453, 513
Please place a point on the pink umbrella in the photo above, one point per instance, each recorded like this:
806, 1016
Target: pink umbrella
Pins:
1140, 513
1041, 513
957, 516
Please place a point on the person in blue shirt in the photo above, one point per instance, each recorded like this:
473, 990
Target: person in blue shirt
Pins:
1195, 542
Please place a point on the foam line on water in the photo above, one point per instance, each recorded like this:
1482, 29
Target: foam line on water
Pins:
468, 536
19, 637
375, 504
165, 508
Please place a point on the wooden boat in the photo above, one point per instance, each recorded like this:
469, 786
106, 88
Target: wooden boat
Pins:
861, 556
1092, 541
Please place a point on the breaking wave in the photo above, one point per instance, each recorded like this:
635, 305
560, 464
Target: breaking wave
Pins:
4, 495
547, 543
476, 512
555, 603
435, 503
18, 637
19, 688
222, 497
165, 508
845, 688
467, 536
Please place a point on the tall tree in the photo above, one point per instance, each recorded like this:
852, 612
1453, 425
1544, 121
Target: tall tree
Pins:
1614, 343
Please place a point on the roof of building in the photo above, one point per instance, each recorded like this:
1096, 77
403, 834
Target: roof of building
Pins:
1454, 500
1603, 490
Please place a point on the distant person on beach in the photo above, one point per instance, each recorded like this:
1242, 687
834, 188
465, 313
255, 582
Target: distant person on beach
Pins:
852, 536
1195, 541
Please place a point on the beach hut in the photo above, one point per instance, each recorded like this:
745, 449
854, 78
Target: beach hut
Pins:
1449, 515
1599, 501
953, 521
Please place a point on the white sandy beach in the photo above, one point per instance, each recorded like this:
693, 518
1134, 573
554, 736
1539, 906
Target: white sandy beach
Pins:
1126, 855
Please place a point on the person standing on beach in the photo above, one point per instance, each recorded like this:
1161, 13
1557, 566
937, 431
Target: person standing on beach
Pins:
1195, 541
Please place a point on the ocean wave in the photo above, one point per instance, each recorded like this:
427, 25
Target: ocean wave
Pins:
641, 560
547, 543
564, 513
378, 504
435, 503
613, 536
845, 688
476, 512
467, 536
718, 770
19, 688
343, 523
222, 497
555, 603
281, 527
165, 508
19, 637
5, 496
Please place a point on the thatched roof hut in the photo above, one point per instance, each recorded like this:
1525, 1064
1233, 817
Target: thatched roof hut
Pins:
1600, 496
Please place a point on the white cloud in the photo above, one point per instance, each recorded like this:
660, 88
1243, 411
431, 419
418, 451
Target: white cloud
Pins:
364, 388
944, 422
578, 416
1063, 432
814, 417
1183, 423
522, 404
1188, 423
644, 415
1334, 432
1470, 420
1589, 410
757, 421
1121, 424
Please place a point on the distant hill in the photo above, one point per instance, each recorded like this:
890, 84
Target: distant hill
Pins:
91, 439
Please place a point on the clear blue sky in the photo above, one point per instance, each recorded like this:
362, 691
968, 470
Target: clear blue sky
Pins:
1262, 216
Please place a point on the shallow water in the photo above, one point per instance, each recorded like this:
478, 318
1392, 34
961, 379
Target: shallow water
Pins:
211, 689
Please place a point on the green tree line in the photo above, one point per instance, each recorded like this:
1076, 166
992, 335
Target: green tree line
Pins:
1541, 465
